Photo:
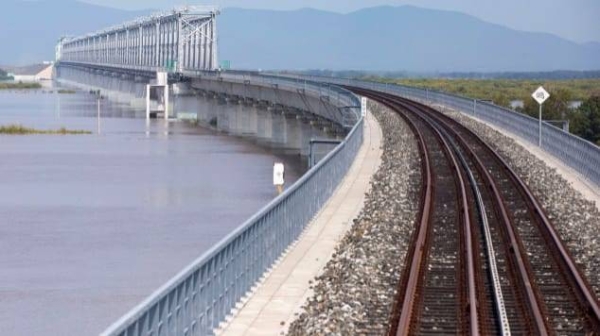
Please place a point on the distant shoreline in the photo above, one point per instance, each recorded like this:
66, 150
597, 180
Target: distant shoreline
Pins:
19, 86
22, 130
511, 75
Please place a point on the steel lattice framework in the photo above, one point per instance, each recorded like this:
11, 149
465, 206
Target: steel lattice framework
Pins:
182, 39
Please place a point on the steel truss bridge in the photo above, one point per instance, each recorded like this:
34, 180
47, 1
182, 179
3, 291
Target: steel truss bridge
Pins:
182, 39
183, 43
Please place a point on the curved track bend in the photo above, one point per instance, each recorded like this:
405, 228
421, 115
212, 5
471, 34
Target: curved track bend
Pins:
484, 257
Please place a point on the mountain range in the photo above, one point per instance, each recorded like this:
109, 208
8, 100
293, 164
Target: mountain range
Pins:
377, 39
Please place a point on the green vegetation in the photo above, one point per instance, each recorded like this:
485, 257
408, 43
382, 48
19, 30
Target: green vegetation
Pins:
21, 130
65, 91
555, 108
584, 121
4, 76
501, 91
20, 86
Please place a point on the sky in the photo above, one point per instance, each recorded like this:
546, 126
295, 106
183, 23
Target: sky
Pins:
576, 20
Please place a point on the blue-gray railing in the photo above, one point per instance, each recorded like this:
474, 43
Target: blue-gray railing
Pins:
197, 299
577, 153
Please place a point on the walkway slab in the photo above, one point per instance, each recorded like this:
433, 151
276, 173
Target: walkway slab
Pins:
273, 305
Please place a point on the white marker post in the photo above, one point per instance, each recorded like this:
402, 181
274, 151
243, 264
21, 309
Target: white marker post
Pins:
540, 95
363, 106
279, 176
98, 115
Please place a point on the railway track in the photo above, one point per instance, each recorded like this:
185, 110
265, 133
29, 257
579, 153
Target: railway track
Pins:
484, 258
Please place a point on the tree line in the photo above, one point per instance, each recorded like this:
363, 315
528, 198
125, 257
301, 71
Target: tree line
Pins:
4, 75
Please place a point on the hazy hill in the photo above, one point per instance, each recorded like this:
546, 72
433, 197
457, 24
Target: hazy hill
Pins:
379, 38
29, 30
393, 38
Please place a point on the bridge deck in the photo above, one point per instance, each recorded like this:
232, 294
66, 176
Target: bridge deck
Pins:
286, 288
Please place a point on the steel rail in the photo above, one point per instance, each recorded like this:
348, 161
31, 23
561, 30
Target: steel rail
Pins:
408, 288
524, 272
416, 267
526, 283
581, 286
576, 289
467, 227
503, 321
582, 291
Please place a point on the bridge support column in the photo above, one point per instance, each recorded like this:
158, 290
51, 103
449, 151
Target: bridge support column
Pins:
161, 83
166, 100
147, 102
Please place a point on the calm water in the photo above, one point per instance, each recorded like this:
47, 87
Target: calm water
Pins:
92, 224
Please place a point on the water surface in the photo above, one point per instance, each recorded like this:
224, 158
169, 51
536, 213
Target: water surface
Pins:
91, 224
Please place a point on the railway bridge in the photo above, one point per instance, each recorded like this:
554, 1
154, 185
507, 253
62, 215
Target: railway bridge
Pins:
484, 256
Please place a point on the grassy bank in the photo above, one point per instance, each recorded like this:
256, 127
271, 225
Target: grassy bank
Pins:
19, 86
21, 130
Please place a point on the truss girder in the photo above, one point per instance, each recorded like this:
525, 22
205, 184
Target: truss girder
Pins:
181, 40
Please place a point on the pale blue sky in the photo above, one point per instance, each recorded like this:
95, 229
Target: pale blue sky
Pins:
577, 20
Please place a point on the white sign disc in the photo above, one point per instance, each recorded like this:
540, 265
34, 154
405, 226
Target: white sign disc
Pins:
540, 95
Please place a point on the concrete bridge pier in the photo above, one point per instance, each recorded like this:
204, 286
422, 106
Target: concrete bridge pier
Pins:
279, 128
245, 119
235, 117
251, 121
264, 125
161, 92
204, 110
308, 133
139, 92
294, 133
223, 118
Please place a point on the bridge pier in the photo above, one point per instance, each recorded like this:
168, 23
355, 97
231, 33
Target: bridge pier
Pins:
161, 86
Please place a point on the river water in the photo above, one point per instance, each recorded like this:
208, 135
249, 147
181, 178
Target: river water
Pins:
91, 224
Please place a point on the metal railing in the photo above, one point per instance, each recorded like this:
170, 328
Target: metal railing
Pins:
577, 153
199, 298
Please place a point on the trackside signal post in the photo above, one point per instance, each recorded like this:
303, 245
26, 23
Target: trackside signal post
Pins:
540, 95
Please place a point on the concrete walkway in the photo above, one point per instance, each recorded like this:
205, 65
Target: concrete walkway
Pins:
272, 307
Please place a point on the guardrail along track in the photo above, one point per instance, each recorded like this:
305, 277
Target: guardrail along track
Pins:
526, 281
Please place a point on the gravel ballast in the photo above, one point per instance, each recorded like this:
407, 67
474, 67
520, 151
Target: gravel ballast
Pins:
354, 295
576, 219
